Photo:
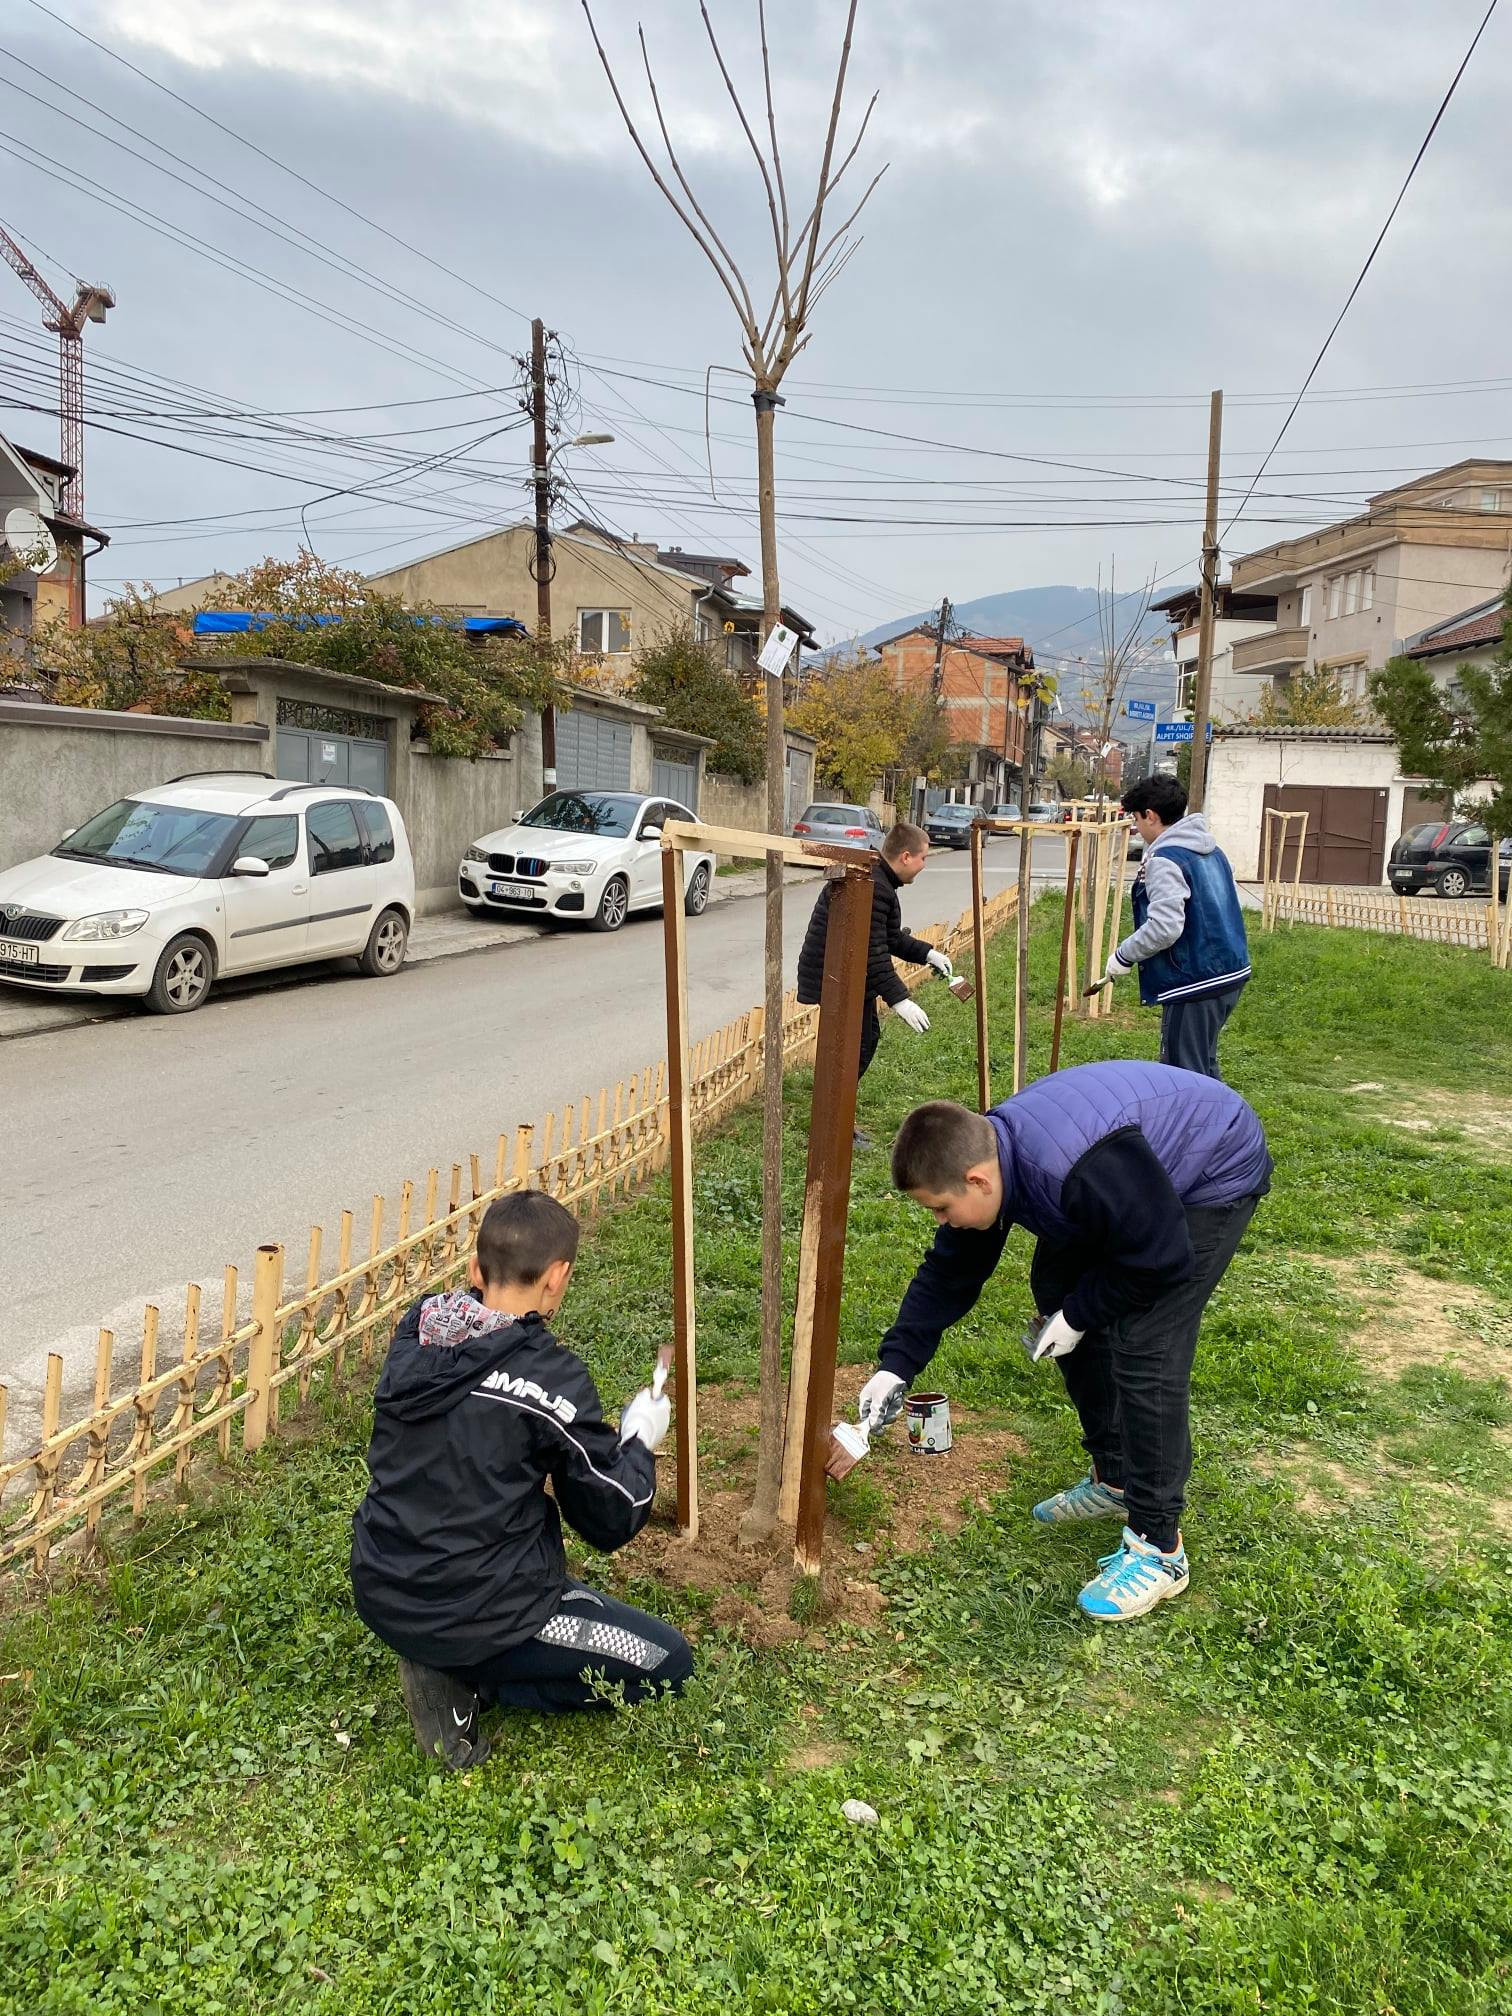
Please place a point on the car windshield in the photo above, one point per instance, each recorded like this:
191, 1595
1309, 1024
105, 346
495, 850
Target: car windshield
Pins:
954, 815
608, 814
167, 839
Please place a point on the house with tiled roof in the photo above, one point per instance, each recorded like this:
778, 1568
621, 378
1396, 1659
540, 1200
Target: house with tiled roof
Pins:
1473, 637
981, 685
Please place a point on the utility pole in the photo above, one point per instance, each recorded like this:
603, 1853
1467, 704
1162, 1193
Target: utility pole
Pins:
1203, 697
544, 565
946, 613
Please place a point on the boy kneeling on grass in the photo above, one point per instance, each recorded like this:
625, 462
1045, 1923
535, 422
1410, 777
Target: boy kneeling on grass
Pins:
457, 1559
1138, 1182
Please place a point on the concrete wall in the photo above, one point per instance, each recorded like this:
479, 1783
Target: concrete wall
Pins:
452, 802
725, 801
60, 765
1241, 766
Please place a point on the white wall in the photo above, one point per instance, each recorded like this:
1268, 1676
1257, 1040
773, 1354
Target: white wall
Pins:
1240, 767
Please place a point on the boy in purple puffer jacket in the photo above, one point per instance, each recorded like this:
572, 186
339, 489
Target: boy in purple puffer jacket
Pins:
1138, 1182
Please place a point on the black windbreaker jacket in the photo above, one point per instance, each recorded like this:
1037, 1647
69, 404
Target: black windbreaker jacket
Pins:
889, 940
457, 1549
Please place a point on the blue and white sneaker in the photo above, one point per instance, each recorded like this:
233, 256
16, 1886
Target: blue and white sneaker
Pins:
1134, 1580
1088, 1500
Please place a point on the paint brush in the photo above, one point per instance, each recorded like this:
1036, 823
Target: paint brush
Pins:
847, 1446
663, 1367
962, 988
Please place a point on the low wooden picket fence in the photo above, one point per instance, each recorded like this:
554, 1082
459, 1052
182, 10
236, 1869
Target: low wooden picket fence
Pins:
260, 1370
1477, 926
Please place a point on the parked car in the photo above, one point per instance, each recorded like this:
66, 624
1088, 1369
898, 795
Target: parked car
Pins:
1009, 811
840, 826
1047, 813
222, 873
1450, 857
950, 825
585, 856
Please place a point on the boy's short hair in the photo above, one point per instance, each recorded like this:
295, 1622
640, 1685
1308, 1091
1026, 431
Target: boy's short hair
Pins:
937, 1144
1161, 795
522, 1235
904, 839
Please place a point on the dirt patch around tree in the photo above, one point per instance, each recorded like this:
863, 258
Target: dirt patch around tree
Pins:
1483, 1122
1410, 1319
895, 1501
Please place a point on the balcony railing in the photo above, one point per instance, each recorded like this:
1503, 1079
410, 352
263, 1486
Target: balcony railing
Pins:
1274, 651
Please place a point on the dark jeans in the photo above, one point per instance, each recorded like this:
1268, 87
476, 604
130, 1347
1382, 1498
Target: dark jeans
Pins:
1189, 1031
591, 1638
871, 1033
1130, 1383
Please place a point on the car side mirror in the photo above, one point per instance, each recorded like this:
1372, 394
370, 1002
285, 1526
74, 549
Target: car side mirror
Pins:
519, 813
68, 835
249, 864
651, 832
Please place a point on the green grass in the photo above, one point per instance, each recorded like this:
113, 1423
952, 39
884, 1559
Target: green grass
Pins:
1291, 1792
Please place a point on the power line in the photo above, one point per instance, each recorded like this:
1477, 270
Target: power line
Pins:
1369, 260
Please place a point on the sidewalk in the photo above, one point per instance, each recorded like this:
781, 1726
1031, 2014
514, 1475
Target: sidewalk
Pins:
445, 935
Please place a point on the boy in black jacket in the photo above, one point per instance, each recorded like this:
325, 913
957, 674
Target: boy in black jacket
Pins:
904, 853
457, 1559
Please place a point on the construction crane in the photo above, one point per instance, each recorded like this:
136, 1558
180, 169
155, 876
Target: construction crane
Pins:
67, 324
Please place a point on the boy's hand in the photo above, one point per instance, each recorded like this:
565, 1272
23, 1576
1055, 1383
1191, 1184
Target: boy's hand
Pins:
881, 1398
911, 1013
1117, 970
941, 963
648, 1417
1054, 1339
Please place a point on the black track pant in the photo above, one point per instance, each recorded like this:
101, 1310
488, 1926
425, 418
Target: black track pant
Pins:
1189, 1031
1129, 1383
591, 1639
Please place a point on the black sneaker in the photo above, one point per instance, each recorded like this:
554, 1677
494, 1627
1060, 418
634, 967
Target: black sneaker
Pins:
443, 1713
860, 1141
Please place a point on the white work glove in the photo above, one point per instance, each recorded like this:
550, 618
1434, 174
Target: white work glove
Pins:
1118, 969
941, 963
647, 1416
881, 1399
1054, 1339
911, 1013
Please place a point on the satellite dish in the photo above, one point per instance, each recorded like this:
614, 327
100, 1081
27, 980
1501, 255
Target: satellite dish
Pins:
31, 542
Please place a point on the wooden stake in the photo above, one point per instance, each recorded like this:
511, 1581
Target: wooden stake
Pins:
979, 952
1021, 969
1068, 932
680, 1132
263, 1350
827, 1194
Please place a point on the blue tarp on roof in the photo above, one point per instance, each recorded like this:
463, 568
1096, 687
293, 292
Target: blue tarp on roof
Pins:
238, 622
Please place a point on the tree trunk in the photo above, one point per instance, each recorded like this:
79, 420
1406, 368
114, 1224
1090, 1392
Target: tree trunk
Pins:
761, 1517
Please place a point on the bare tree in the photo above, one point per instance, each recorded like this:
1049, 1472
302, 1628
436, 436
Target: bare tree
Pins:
1124, 650
808, 259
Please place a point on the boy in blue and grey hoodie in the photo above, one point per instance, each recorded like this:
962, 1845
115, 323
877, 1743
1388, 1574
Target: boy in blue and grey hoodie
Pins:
1188, 939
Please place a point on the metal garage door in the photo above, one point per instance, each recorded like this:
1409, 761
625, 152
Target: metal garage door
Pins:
593, 754
314, 756
673, 776
1346, 829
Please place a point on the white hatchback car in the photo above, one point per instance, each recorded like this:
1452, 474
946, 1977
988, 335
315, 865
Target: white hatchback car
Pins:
592, 856
215, 874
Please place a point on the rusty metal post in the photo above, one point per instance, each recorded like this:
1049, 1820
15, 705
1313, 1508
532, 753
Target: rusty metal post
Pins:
1021, 972
263, 1349
1068, 932
680, 1142
827, 1191
979, 949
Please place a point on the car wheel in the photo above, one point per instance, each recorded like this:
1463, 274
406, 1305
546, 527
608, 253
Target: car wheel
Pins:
387, 944
697, 899
1454, 882
613, 904
183, 976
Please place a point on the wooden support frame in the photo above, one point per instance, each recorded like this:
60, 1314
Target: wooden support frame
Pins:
1276, 831
979, 952
817, 1317
1068, 942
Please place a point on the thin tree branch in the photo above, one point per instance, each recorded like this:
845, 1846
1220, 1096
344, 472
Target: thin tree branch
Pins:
745, 127
766, 76
657, 177
745, 295
826, 191
819, 262
801, 305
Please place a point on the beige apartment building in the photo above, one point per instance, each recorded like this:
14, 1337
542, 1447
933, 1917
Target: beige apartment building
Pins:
1349, 597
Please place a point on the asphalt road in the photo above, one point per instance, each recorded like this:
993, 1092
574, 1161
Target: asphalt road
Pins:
147, 1152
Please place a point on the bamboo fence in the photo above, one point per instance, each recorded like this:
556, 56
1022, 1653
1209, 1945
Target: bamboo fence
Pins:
260, 1370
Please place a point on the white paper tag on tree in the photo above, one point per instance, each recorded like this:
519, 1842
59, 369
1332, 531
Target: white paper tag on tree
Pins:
777, 650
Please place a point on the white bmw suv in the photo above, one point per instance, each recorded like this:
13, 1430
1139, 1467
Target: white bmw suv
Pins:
590, 857
220, 873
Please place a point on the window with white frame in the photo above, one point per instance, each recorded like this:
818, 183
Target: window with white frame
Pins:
603, 630
1304, 607
1351, 593
1367, 589
1491, 500
701, 629
1335, 596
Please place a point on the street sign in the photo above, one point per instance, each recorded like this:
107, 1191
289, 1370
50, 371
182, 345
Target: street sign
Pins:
1177, 731
1140, 710
777, 650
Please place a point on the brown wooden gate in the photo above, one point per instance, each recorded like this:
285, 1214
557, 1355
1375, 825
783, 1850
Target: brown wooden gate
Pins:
1346, 829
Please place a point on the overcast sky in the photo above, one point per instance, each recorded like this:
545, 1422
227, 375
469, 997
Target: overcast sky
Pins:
1090, 216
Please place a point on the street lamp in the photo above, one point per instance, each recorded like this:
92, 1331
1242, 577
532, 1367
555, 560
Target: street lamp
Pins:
540, 473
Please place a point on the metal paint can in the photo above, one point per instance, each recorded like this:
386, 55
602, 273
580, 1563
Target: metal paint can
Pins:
929, 1423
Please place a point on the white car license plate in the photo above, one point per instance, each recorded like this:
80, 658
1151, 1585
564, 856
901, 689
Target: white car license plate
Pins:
20, 954
1401, 874
514, 892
